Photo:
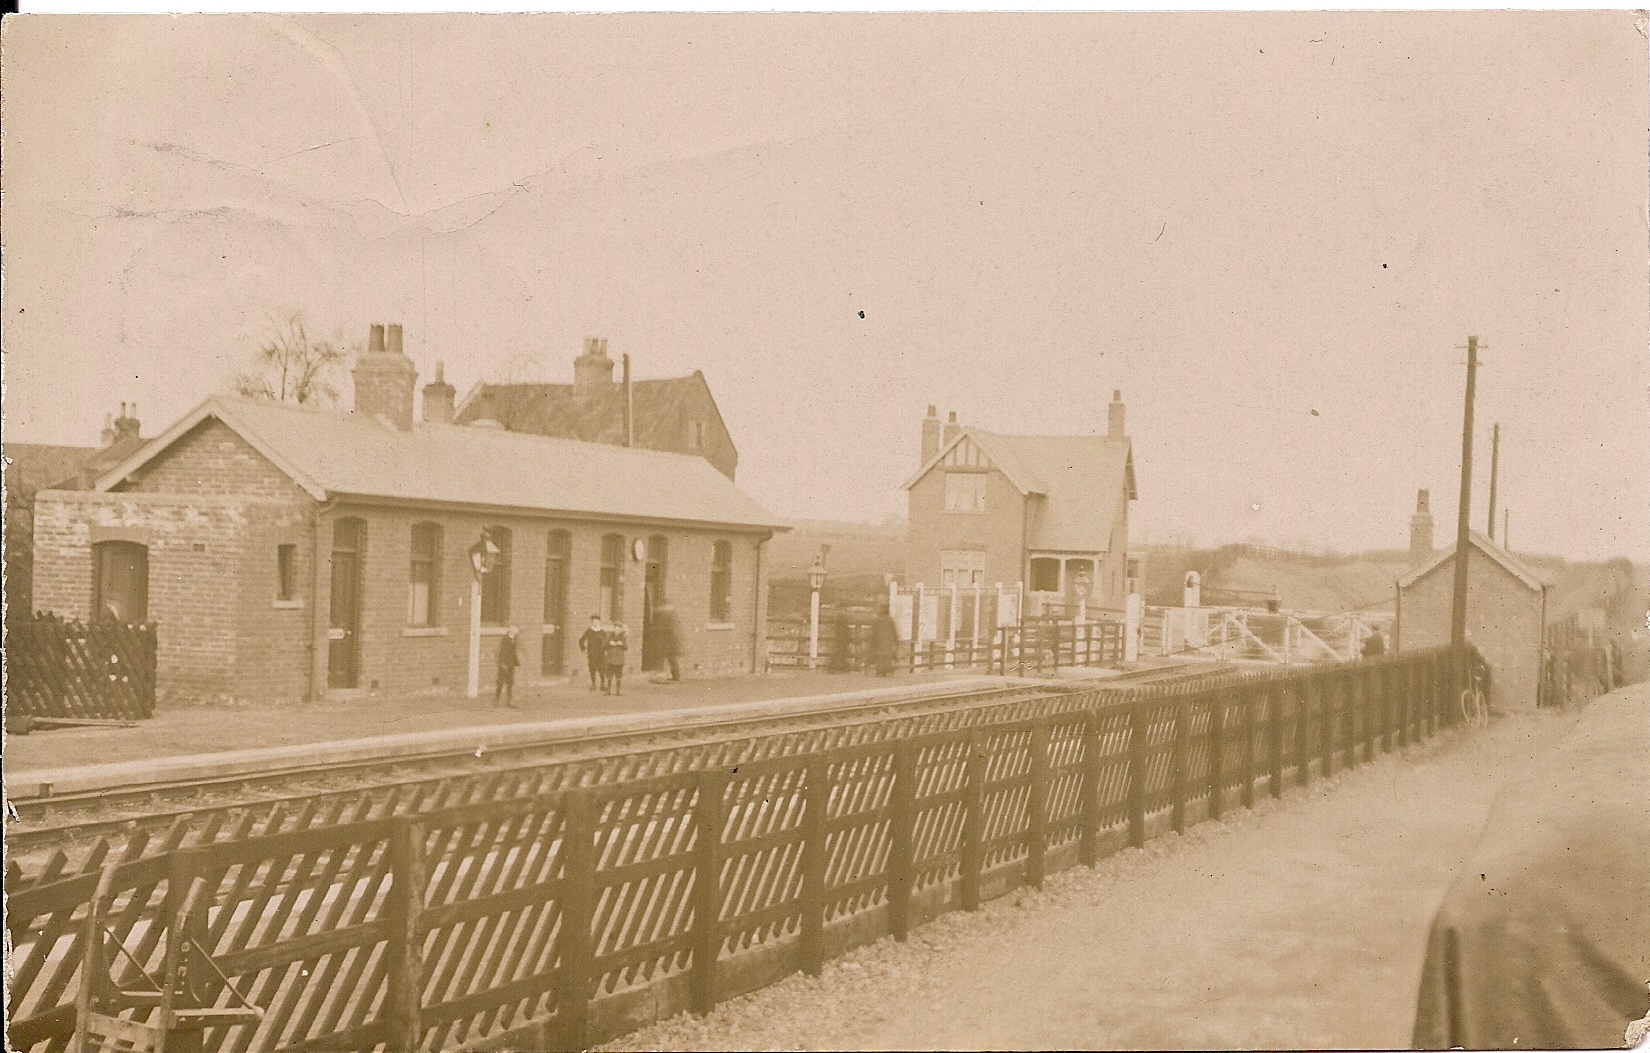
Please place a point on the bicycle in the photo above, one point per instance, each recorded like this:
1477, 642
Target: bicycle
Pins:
1475, 707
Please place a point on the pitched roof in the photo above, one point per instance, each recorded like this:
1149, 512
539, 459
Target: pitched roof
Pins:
553, 409
39, 467
331, 454
1081, 479
1506, 560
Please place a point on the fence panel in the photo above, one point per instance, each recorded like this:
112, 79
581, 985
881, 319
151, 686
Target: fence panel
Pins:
65, 669
472, 921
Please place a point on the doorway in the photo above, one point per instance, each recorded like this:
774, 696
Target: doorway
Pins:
120, 582
349, 537
653, 595
554, 642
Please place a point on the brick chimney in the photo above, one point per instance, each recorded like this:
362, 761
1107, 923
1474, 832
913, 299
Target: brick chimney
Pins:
951, 429
1420, 530
126, 425
385, 379
1114, 416
107, 439
593, 370
930, 435
438, 398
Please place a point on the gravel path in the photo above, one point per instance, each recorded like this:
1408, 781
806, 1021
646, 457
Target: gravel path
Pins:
1300, 924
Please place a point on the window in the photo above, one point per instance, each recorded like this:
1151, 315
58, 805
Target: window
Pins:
721, 582
120, 581
964, 569
965, 491
495, 584
424, 581
1045, 574
286, 573
696, 434
612, 577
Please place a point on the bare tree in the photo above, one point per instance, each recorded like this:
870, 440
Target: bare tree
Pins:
293, 367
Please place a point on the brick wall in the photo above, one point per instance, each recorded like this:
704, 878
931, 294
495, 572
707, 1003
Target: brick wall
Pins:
399, 658
212, 459
218, 634
1504, 621
999, 531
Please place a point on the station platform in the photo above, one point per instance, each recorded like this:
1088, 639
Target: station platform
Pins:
220, 739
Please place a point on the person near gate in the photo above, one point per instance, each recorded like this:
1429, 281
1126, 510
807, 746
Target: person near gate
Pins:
669, 628
1374, 644
884, 643
593, 642
505, 685
613, 653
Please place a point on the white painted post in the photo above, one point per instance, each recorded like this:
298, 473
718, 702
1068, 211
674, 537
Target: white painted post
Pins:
916, 627
974, 638
813, 629
1131, 628
951, 629
472, 686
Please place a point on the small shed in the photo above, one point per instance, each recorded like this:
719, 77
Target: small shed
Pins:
1506, 615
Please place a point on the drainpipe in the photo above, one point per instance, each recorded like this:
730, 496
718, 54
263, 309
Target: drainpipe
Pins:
317, 662
758, 607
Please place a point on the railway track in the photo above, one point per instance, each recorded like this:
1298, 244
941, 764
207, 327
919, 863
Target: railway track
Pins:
47, 821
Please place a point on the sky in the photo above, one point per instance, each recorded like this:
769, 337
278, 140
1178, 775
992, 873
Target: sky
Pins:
1272, 232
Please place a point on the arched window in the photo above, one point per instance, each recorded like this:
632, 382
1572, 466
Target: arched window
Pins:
495, 584
424, 577
721, 582
120, 581
612, 577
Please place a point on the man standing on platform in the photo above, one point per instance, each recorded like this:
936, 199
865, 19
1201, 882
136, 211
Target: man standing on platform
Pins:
670, 640
505, 685
593, 642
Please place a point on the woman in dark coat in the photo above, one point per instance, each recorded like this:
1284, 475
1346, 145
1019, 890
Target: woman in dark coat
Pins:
618, 644
884, 643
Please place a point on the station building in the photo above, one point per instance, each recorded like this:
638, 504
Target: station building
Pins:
287, 553
1051, 511
1506, 614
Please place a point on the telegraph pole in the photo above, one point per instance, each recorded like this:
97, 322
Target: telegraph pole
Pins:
1495, 474
1458, 616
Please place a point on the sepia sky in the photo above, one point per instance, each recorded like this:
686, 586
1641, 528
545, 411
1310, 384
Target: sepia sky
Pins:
1271, 231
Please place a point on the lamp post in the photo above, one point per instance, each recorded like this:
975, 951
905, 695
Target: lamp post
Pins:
483, 557
816, 581
1081, 587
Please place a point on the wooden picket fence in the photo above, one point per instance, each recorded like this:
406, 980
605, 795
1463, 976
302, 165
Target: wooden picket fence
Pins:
584, 908
65, 669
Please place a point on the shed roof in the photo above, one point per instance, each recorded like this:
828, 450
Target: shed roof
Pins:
331, 454
1082, 480
1500, 556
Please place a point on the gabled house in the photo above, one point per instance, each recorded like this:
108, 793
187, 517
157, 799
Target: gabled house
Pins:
674, 414
286, 552
32, 467
1051, 511
1506, 615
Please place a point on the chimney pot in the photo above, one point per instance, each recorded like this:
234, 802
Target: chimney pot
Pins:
593, 370
932, 412
392, 338
384, 382
1115, 416
930, 435
438, 398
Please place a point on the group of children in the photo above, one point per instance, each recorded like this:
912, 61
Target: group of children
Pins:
604, 648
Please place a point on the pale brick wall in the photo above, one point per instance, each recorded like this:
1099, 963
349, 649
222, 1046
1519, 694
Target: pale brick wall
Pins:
212, 459
1504, 621
930, 530
402, 658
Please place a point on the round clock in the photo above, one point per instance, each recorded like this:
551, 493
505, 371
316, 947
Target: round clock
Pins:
638, 550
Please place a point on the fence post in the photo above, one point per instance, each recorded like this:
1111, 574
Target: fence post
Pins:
973, 854
1217, 753
1182, 760
1088, 848
578, 898
707, 889
1303, 750
1406, 692
1248, 697
1326, 733
902, 838
1351, 709
816, 798
1037, 804
189, 929
1277, 690
1137, 771
405, 968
